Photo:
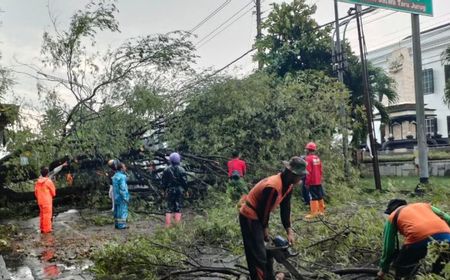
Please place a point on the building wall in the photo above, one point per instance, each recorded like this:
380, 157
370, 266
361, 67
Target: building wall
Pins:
438, 168
433, 44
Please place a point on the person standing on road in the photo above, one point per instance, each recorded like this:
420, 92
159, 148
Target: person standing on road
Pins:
254, 213
174, 181
121, 197
45, 191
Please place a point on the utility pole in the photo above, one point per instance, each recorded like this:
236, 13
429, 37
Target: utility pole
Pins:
258, 28
340, 71
420, 114
367, 100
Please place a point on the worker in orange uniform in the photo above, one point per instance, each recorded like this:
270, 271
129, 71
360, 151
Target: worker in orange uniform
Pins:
45, 191
313, 181
419, 223
254, 213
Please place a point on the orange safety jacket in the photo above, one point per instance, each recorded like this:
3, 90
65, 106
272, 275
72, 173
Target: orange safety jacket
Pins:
44, 190
252, 202
417, 221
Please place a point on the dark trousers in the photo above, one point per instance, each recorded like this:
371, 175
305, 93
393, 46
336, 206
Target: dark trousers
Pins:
305, 194
316, 192
259, 261
407, 262
174, 200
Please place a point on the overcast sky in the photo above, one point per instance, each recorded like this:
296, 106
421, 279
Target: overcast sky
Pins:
24, 21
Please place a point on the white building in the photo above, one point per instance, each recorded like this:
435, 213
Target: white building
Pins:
396, 59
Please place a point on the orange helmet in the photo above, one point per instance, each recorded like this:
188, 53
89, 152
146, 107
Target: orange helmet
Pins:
311, 146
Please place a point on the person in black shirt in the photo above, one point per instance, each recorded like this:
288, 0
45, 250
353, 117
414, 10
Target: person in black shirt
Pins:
174, 181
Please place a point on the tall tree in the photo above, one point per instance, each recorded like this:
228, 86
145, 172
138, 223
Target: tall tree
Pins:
119, 90
293, 40
382, 87
262, 116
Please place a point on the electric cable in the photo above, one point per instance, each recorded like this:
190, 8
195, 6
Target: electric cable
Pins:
223, 23
223, 29
212, 14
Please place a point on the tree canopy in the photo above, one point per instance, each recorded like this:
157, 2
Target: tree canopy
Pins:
265, 117
119, 94
293, 40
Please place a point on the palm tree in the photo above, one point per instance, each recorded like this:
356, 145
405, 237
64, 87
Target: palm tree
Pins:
381, 86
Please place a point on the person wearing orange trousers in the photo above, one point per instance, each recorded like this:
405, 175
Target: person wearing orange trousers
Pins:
45, 191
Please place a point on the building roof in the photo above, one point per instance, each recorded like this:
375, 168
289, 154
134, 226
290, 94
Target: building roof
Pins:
404, 107
430, 30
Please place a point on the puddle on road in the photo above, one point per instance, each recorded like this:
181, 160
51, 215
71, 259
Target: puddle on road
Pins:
49, 256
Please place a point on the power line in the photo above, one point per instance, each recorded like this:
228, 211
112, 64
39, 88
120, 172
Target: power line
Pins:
212, 14
374, 20
195, 83
225, 28
223, 23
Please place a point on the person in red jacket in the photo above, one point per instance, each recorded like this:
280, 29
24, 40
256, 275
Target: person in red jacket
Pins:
254, 213
236, 164
313, 181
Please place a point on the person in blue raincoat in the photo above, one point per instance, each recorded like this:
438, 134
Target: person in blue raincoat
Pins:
121, 197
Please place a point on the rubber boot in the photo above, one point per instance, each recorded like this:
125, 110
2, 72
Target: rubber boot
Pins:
177, 217
321, 207
314, 205
168, 219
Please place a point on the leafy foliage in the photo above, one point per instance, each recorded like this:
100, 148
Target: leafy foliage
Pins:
171, 249
104, 102
267, 121
293, 40
381, 87
350, 235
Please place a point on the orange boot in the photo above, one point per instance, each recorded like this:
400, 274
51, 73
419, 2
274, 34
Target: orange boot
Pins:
321, 207
168, 219
177, 217
314, 205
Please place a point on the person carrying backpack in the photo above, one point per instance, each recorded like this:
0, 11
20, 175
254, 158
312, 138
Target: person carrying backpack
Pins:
174, 181
419, 223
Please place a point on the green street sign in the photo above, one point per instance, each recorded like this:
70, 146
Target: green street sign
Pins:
421, 7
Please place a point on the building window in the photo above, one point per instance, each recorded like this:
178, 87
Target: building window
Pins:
428, 81
431, 126
447, 73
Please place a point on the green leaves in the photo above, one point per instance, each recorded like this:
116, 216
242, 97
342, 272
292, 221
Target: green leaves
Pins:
266, 118
292, 41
